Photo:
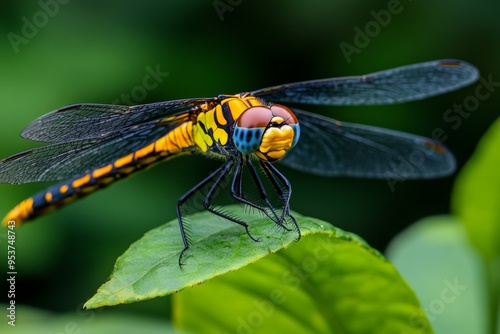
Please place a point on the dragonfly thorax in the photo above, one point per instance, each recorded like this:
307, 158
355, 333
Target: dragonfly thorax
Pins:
267, 131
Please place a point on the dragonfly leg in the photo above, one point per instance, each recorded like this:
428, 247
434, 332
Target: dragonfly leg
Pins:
262, 191
184, 198
237, 184
238, 194
213, 181
295, 225
281, 185
284, 189
225, 170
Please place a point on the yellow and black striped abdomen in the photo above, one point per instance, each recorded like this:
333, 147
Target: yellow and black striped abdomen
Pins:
178, 140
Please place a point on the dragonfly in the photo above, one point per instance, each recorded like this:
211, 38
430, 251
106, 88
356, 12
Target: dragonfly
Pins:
91, 146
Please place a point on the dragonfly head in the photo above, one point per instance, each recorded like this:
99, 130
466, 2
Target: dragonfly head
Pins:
267, 131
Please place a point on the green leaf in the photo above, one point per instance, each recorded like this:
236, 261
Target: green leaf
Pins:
476, 199
476, 196
326, 283
329, 281
149, 268
445, 271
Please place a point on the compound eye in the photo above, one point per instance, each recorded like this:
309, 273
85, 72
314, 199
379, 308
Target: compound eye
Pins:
286, 114
268, 131
250, 127
255, 117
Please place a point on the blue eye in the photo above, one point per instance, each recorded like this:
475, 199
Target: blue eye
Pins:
267, 131
296, 130
247, 140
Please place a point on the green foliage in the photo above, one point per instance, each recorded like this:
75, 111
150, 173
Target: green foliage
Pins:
453, 262
329, 282
475, 201
477, 195
436, 258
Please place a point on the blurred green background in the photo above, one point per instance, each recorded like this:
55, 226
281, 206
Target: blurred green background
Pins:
56, 53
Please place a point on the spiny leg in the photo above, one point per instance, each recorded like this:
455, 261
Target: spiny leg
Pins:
237, 183
184, 198
280, 183
208, 206
237, 190
283, 188
262, 191
213, 181
295, 225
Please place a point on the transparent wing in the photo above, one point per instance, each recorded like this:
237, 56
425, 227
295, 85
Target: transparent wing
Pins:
331, 148
85, 121
61, 161
396, 85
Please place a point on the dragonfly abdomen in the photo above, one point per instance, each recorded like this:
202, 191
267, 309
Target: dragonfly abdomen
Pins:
177, 141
